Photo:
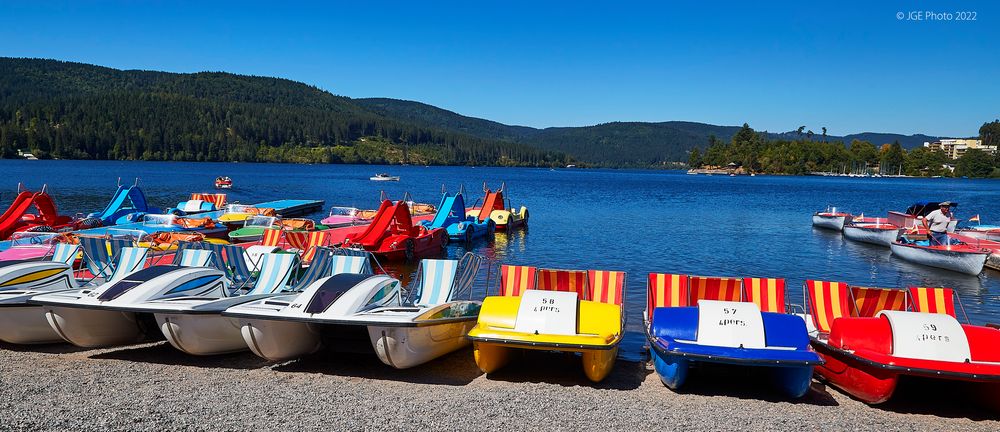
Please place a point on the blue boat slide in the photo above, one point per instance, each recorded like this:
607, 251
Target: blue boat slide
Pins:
731, 333
127, 205
451, 216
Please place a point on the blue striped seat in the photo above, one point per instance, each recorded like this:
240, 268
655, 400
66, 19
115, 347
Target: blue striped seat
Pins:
275, 271
65, 253
350, 264
321, 267
183, 246
130, 260
468, 270
96, 257
436, 278
231, 260
195, 258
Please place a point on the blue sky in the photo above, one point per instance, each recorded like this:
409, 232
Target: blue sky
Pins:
849, 66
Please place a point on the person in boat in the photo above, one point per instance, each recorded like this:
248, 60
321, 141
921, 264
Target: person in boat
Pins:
937, 223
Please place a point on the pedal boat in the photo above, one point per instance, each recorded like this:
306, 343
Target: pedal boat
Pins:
867, 355
289, 326
494, 206
831, 219
113, 313
23, 323
451, 216
195, 325
253, 228
574, 311
877, 232
237, 214
345, 216
730, 322
956, 256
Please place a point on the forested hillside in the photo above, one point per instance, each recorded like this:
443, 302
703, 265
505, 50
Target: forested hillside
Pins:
73, 110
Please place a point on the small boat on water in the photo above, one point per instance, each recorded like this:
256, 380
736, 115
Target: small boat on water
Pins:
223, 182
383, 177
877, 231
831, 219
872, 337
980, 231
392, 235
727, 321
345, 216
496, 207
576, 311
460, 227
956, 255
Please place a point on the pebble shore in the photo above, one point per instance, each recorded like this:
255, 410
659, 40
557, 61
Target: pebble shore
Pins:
154, 387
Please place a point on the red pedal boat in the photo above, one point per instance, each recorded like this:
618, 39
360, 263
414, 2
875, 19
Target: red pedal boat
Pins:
393, 236
870, 337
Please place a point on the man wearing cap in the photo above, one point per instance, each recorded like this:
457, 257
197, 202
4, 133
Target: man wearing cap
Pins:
937, 223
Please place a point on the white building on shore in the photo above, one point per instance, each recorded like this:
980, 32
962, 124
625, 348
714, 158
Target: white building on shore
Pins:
955, 148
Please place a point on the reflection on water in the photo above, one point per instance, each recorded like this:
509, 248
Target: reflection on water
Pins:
636, 221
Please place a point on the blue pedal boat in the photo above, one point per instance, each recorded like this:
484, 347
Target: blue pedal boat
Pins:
451, 216
731, 333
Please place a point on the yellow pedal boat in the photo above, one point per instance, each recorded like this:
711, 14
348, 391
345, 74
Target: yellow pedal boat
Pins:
576, 311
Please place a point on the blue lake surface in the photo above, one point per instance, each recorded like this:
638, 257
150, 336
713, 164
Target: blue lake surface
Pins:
632, 220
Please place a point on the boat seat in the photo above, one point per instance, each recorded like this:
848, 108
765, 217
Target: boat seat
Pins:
195, 258
436, 278
714, 288
827, 301
665, 290
563, 280
932, 300
767, 293
606, 286
514, 280
270, 237
681, 323
65, 253
870, 301
275, 271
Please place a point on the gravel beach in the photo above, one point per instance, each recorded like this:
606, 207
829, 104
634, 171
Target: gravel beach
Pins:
154, 387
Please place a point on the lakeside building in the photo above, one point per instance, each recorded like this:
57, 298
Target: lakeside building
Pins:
955, 148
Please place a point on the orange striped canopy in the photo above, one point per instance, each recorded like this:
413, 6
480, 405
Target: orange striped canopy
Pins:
271, 237
666, 290
767, 293
933, 300
307, 241
563, 280
219, 199
714, 288
868, 301
514, 280
606, 286
827, 302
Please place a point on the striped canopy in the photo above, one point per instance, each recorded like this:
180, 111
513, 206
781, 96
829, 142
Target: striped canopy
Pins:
275, 271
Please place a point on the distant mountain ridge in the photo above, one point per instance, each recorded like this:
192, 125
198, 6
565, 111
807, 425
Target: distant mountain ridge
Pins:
614, 143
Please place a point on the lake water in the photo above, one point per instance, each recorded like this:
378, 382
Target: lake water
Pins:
636, 221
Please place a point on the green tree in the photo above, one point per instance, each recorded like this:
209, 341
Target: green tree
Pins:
892, 160
974, 163
694, 160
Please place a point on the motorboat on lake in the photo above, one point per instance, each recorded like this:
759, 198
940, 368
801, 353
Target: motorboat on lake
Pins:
870, 338
577, 311
383, 177
831, 219
954, 255
223, 182
404, 332
729, 321
877, 231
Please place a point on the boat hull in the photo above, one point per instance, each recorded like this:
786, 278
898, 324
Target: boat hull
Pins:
201, 334
876, 236
870, 385
26, 324
970, 263
405, 347
276, 340
835, 223
597, 363
673, 370
94, 328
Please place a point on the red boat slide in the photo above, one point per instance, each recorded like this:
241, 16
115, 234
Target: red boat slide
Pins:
393, 236
17, 218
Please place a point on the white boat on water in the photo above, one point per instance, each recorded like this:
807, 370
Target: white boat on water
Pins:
878, 232
983, 232
959, 257
831, 219
383, 177
338, 309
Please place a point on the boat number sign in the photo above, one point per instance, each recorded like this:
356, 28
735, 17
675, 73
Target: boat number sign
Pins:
927, 336
730, 324
547, 312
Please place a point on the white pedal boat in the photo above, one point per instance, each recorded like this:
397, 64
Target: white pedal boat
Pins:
195, 324
110, 314
23, 323
402, 333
